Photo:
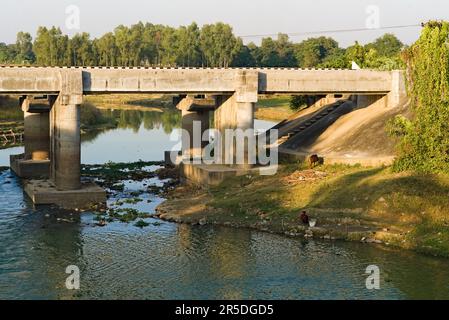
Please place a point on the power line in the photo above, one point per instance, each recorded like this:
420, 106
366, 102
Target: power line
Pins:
331, 31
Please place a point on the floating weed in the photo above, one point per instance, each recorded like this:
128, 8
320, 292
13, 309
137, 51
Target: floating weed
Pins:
132, 201
141, 224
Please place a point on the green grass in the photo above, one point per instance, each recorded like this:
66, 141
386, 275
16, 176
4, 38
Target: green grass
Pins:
273, 108
274, 101
413, 207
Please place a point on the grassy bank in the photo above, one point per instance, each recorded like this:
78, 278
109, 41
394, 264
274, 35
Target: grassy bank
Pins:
145, 102
274, 108
352, 203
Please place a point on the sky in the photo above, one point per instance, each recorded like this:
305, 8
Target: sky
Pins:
247, 17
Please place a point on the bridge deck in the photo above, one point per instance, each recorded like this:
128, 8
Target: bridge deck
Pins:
40, 80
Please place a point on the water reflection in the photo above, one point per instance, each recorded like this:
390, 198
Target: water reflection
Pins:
134, 119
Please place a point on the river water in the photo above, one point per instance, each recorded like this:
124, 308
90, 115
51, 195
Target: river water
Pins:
171, 261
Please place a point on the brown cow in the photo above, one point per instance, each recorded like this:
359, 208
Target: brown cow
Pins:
313, 160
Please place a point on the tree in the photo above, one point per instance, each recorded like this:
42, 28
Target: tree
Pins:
106, 50
50, 47
7, 53
24, 47
357, 53
219, 45
386, 46
169, 47
313, 51
424, 146
123, 44
245, 57
81, 50
189, 51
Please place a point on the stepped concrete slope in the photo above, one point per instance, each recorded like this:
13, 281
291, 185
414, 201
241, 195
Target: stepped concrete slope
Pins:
348, 131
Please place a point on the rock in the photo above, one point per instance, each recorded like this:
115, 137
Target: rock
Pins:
381, 199
385, 229
363, 239
327, 237
372, 240
308, 234
202, 221
47, 215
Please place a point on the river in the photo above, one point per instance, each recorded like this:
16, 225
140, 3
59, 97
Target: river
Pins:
171, 261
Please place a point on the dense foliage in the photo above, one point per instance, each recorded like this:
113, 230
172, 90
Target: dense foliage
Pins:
424, 144
214, 45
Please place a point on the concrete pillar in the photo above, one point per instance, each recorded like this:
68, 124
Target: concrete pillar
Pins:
36, 135
232, 114
65, 147
194, 124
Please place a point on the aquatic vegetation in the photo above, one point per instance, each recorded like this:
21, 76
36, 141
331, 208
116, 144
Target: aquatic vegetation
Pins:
127, 214
128, 189
141, 224
132, 201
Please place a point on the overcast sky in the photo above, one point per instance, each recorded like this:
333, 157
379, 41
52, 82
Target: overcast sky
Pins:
248, 17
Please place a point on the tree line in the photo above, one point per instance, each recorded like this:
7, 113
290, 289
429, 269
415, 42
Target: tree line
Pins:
212, 45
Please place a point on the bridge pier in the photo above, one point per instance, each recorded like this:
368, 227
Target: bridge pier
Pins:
234, 121
65, 188
195, 114
34, 162
65, 170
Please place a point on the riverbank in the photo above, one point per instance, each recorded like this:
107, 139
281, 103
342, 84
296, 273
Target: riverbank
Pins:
273, 108
371, 205
142, 102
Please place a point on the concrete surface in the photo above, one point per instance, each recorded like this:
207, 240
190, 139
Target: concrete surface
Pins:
29, 169
45, 192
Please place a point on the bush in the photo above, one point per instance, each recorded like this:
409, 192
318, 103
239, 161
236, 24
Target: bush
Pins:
424, 146
297, 102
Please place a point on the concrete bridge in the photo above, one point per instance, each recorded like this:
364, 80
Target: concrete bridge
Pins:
51, 99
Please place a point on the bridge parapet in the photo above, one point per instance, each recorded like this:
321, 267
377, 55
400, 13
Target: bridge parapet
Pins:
244, 81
